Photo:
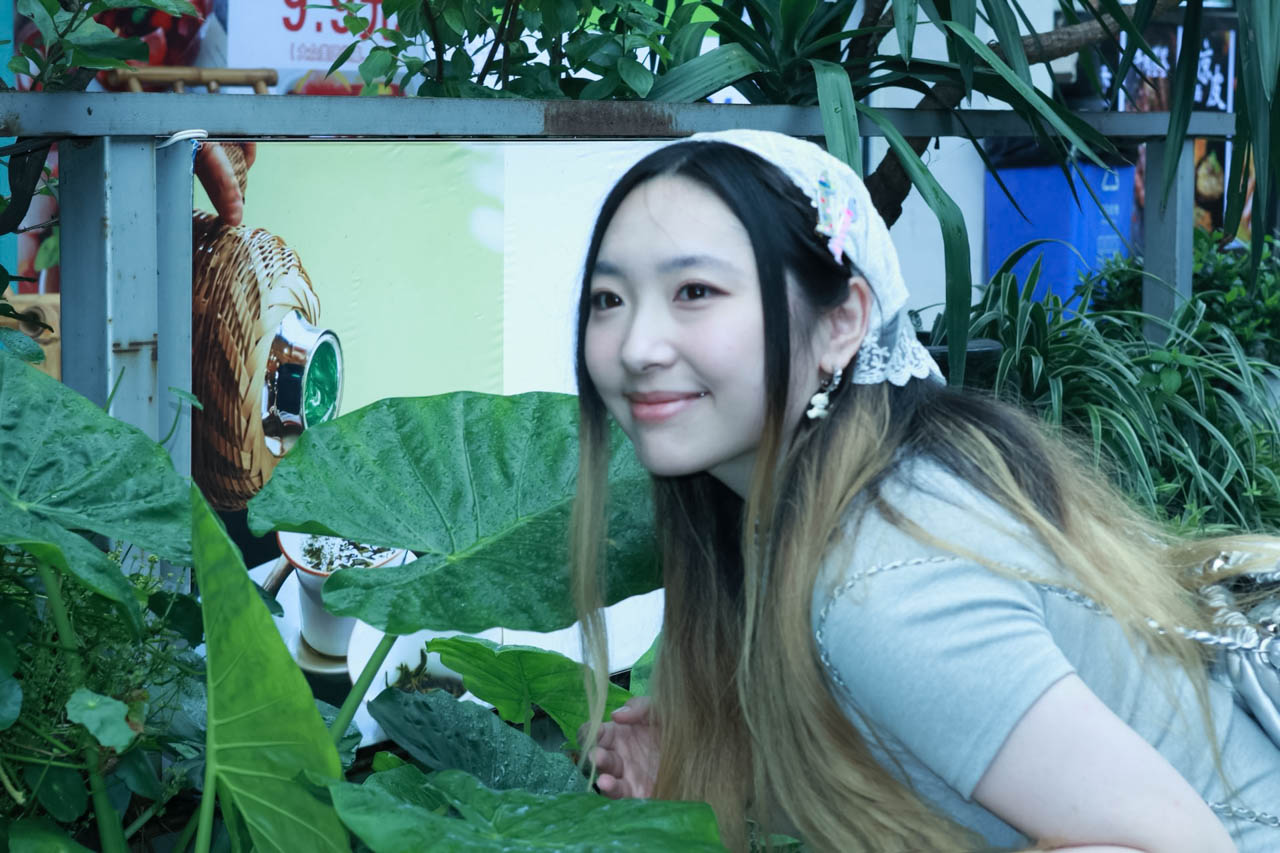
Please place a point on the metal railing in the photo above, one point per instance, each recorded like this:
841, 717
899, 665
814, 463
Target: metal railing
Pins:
127, 271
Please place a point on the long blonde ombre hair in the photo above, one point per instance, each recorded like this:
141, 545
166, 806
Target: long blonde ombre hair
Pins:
746, 714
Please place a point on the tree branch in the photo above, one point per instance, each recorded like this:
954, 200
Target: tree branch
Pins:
506, 48
889, 184
437, 47
499, 34
865, 46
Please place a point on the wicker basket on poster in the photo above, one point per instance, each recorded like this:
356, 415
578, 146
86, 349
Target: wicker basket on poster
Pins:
254, 334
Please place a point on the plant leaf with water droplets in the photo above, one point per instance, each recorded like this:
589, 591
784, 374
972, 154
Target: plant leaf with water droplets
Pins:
446, 734
71, 467
481, 487
515, 678
263, 727
516, 820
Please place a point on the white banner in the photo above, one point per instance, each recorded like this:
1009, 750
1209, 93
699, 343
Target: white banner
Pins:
296, 36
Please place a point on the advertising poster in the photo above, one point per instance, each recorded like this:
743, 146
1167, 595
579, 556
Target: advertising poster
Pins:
1146, 88
403, 267
365, 270
382, 269
301, 39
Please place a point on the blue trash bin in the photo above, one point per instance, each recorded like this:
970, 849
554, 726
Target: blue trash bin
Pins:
1045, 197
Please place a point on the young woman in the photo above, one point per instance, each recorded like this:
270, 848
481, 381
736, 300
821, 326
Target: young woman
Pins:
898, 617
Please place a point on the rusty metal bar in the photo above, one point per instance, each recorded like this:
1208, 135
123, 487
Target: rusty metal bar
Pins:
230, 116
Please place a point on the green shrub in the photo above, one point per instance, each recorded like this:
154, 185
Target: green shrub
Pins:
1220, 279
1185, 427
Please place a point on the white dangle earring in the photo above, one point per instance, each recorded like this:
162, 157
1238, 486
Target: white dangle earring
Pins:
820, 403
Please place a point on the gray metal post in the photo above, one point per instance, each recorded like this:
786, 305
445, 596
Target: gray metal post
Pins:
109, 223
126, 284
82, 165
173, 267
1167, 235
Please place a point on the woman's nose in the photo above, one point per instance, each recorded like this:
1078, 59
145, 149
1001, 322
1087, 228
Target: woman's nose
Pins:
648, 342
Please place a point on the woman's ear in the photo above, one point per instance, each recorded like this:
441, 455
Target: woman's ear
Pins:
846, 326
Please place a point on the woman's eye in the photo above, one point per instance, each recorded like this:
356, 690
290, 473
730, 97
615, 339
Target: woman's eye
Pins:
690, 292
602, 300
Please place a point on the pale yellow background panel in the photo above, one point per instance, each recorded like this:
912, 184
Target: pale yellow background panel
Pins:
403, 244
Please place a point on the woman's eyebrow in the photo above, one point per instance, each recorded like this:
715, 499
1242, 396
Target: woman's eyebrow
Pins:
605, 268
684, 262
670, 265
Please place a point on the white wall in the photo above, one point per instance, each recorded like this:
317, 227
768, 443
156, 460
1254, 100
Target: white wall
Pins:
552, 193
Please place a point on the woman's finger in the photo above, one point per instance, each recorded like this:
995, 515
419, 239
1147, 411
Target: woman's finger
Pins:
218, 178
608, 734
610, 786
607, 762
636, 710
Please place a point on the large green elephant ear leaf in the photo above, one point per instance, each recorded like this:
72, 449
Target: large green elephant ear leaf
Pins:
68, 466
448, 734
402, 817
263, 727
515, 678
480, 486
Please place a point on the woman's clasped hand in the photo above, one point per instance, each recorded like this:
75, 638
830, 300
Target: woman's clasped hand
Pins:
625, 756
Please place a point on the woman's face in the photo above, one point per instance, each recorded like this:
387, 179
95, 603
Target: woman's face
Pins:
675, 336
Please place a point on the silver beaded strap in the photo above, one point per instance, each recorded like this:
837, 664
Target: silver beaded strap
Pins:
838, 593
1240, 813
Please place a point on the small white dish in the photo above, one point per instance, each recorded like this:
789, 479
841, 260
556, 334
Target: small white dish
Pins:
406, 651
324, 632
309, 660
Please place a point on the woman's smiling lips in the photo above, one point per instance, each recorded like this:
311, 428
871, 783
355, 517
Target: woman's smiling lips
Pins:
657, 406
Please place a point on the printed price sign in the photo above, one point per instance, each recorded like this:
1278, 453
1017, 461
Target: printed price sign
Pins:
297, 34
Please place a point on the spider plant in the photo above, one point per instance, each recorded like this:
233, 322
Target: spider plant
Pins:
1186, 427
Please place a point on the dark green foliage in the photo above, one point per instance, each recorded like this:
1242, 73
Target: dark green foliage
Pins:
447, 734
1187, 427
451, 810
1233, 296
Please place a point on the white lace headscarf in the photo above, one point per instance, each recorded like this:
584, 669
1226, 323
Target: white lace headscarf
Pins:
890, 351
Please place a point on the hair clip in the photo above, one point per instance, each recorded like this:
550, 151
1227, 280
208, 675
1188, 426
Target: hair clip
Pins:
836, 243
832, 224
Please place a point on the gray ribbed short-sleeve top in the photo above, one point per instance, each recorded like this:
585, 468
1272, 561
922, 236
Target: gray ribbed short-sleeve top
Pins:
943, 656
